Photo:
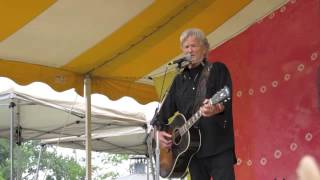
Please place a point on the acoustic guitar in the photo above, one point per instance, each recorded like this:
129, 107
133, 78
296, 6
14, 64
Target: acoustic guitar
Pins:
185, 140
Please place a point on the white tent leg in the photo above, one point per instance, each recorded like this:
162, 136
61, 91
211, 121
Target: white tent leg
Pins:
148, 166
38, 166
149, 140
11, 106
87, 95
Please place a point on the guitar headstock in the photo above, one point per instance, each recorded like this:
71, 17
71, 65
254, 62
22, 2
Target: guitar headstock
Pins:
220, 96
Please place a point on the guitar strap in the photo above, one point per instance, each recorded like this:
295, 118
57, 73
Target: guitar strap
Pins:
201, 88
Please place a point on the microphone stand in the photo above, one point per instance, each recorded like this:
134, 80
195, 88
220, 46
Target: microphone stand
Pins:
157, 155
155, 123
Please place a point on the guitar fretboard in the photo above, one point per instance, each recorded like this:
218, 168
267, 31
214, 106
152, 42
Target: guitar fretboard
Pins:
183, 129
223, 94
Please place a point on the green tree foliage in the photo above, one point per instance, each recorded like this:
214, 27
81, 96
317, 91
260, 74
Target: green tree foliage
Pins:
115, 158
26, 160
108, 162
56, 167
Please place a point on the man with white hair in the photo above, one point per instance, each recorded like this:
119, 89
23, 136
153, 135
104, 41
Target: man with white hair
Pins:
191, 91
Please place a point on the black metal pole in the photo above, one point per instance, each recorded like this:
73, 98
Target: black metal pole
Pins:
11, 106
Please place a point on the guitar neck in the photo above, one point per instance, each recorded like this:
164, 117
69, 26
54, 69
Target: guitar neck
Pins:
220, 96
183, 129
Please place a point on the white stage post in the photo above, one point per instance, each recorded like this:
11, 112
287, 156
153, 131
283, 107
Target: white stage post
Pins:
87, 95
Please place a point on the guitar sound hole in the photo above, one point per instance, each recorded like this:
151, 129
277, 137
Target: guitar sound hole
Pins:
176, 138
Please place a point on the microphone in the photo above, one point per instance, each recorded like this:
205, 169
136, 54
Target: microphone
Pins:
181, 60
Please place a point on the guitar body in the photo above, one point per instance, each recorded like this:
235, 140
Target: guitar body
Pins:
186, 141
174, 162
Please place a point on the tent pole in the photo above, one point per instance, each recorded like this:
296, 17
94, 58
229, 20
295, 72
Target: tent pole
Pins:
148, 166
87, 95
11, 106
39, 159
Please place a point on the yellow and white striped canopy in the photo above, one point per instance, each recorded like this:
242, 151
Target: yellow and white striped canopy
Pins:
118, 43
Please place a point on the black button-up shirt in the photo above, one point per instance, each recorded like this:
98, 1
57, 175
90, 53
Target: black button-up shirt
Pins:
216, 131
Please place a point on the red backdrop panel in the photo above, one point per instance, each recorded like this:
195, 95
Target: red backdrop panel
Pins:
275, 67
